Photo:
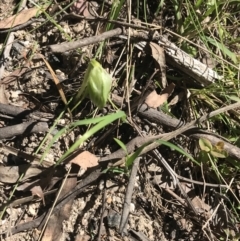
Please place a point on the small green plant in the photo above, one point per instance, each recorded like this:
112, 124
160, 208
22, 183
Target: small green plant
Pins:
128, 160
118, 170
179, 150
99, 122
210, 154
216, 151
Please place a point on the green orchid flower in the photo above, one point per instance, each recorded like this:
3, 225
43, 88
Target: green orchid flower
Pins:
96, 84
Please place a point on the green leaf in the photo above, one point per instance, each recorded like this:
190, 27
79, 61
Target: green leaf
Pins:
68, 128
223, 48
114, 170
100, 125
132, 157
203, 157
205, 145
217, 154
121, 144
176, 148
234, 98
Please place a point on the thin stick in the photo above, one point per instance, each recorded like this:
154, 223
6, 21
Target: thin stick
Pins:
128, 196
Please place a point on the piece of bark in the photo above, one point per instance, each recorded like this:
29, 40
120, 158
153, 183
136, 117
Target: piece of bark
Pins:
6, 54
13, 110
178, 58
159, 117
190, 66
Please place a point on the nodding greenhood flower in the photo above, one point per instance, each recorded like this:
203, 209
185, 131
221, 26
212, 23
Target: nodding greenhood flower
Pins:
99, 83
96, 84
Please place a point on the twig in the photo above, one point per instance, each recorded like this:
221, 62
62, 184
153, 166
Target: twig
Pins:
175, 180
102, 214
22, 25
5, 54
34, 160
128, 196
99, 18
56, 220
139, 141
21, 113
169, 136
22, 129
174, 195
64, 47
200, 183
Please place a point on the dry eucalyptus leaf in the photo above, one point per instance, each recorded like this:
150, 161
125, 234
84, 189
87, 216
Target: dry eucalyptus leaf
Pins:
154, 100
37, 190
85, 160
19, 18
11, 174
80, 7
26, 186
3, 96
201, 206
159, 55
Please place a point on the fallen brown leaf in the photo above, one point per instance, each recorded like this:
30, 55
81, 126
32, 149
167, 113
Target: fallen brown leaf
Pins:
154, 100
37, 190
11, 174
83, 237
159, 55
201, 206
85, 160
19, 18
80, 7
3, 97
26, 186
